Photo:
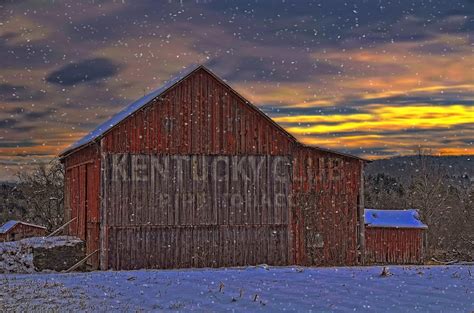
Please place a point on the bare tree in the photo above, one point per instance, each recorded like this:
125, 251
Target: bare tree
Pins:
384, 192
43, 194
429, 188
11, 203
457, 225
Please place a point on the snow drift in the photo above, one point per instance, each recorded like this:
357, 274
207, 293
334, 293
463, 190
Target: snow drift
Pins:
40, 253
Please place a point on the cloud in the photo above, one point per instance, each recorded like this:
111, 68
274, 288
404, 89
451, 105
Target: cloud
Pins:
8, 123
17, 144
17, 93
277, 111
83, 71
24, 56
28, 115
379, 118
271, 69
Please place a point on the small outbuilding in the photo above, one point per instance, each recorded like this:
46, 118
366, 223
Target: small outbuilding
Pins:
393, 237
16, 230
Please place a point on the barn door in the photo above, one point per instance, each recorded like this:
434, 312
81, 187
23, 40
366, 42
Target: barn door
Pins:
92, 215
77, 195
85, 207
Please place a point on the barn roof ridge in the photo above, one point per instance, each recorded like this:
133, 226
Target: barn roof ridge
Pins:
140, 103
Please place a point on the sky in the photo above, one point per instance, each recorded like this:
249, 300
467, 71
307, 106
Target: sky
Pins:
371, 78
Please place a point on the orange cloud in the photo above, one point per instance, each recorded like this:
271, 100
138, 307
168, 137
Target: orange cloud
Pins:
456, 151
384, 118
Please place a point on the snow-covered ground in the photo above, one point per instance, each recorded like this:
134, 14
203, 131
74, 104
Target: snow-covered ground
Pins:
272, 289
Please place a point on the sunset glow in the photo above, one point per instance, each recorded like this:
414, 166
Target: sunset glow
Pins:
375, 80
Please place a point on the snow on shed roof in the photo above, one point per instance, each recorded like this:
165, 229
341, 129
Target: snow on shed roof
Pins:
7, 226
393, 218
10, 224
132, 108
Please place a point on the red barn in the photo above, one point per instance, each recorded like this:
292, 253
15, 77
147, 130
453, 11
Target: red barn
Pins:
16, 230
193, 175
393, 237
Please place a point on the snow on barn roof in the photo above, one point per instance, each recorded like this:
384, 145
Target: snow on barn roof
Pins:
10, 224
393, 218
132, 108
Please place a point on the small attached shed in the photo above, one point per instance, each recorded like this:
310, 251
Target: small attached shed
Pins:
393, 237
16, 230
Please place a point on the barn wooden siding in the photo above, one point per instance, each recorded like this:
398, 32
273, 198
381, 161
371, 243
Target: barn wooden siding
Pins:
394, 245
201, 118
192, 211
82, 197
325, 190
198, 117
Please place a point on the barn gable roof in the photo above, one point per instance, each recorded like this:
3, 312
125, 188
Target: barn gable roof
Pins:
142, 102
393, 218
129, 110
10, 224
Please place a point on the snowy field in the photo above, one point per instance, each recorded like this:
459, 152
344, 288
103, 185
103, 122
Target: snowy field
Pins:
273, 289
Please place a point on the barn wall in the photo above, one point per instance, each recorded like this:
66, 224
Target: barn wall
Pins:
168, 211
325, 215
199, 118
394, 245
82, 197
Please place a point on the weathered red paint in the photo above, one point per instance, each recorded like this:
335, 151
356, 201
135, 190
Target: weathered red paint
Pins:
199, 116
394, 245
82, 196
331, 182
202, 115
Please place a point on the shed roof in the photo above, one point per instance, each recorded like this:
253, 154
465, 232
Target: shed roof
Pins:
12, 223
393, 218
142, 102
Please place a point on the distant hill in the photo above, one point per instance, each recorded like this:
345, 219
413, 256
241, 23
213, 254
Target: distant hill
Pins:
404, 166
